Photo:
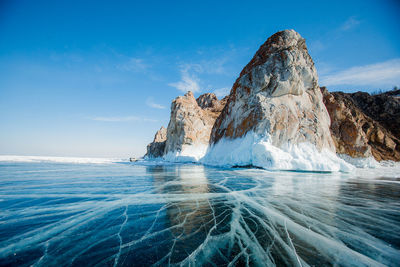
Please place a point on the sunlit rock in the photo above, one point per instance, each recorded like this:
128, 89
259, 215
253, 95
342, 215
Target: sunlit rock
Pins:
275, 117
189, 129
277, 94
354, 132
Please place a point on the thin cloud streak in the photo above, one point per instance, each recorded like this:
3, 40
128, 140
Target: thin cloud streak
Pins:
122, 119
190, 72
380, 74
350, 23
150, 102
134, 65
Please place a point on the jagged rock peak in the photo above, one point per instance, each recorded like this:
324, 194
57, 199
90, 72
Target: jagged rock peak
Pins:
207, 100
156, 148
277, 94
278, 42
161, 135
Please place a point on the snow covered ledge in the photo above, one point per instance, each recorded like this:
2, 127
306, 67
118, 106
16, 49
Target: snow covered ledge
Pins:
258, 151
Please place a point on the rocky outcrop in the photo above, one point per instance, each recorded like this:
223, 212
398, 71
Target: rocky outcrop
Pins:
156, 148
207, 100
277, 94
357, 134
383, 108
189, 129
276, 117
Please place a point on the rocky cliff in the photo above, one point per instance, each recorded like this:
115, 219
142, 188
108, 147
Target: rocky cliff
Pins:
360, 124
156, 148
275, 109
188, 133
277, 94
383, 108
276, 117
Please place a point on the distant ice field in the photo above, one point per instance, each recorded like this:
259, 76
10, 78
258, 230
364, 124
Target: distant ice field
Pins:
96, 213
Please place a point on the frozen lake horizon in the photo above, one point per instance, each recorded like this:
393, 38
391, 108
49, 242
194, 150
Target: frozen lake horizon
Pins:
124, 214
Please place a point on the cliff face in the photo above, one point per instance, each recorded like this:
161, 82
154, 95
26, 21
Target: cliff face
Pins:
276, 117
358, 133
190, 125
383, 108
277, 94
156, 148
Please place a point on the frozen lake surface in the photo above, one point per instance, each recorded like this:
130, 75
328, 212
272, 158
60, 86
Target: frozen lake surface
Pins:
124, 214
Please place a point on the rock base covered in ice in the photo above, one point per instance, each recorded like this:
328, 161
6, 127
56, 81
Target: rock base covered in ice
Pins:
258, 151
277, 93
369, 162
189, 153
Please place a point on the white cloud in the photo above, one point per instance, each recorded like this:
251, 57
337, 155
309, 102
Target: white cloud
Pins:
134, 65
150, 102
190, 72
380, 74
222, 92
121, 119
188, 82
349, 24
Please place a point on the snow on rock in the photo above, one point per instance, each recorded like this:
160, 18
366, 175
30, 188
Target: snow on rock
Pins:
259, 151
273, 118
277, 95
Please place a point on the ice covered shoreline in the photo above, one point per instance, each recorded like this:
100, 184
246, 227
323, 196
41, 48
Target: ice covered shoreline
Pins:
365, 167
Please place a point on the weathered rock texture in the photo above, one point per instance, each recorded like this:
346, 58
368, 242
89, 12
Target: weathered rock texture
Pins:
156, 148
357, 134
384, 108
191, 121
277, 98
277, 94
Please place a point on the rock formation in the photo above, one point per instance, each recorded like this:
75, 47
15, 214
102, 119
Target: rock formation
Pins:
189, 129
276, 117
357, 134
277, 94
156, 148
383, 108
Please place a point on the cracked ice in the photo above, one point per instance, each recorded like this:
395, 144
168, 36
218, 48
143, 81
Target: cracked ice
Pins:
192, 215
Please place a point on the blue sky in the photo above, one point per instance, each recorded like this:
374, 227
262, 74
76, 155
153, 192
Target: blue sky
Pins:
96, 78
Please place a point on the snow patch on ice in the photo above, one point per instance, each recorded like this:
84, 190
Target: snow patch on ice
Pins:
7, 158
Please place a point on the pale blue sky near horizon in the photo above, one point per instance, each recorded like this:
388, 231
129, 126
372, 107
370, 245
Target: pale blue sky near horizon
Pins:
96, 78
